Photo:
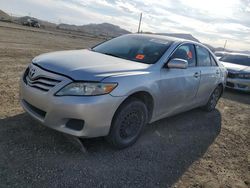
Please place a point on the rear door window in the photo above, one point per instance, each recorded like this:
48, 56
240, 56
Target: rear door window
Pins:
203, 57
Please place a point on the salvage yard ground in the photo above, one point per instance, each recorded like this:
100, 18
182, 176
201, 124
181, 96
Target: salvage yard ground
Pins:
193, 149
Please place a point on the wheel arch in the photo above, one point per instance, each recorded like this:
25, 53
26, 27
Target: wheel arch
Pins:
143, 96
222, 87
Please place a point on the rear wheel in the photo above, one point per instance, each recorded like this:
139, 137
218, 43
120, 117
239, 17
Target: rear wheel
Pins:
128, 123
214, 98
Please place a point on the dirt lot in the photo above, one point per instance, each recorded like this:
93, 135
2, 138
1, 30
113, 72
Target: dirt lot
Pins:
193, 149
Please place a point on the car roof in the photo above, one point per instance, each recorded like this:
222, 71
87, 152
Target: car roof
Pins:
173, 39
176, 40
224, 52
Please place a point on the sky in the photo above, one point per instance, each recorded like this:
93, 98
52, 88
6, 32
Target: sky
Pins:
210, 21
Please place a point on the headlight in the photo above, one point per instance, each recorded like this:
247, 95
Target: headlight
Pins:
86, 89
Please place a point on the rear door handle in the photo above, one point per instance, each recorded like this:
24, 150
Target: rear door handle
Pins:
196, 75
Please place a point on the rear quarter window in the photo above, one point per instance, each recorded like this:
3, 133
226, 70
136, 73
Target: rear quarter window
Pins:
203, 57
213, 62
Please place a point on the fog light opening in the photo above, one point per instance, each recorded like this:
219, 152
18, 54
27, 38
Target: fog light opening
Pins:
75, 124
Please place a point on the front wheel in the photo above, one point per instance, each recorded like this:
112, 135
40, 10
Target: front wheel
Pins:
128, 123
214, 98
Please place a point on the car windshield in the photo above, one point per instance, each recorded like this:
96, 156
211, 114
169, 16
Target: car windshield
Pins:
237, 59
144, 49
220, 54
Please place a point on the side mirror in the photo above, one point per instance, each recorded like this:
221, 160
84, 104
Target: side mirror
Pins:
177, 63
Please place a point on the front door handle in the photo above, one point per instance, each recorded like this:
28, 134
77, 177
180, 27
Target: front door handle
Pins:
217, 72
196, 75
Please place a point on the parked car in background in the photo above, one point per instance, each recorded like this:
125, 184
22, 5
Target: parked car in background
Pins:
32, 23
118, 86
220, 54
238, 66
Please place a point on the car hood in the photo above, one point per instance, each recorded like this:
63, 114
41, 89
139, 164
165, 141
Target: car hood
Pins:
87, 65
231, 67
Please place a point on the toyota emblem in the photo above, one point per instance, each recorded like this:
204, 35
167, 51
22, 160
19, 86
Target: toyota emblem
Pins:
32, 72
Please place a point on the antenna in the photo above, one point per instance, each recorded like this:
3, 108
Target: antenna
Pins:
139, 27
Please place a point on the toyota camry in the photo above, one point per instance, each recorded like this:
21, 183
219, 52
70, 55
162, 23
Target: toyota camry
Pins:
115, 88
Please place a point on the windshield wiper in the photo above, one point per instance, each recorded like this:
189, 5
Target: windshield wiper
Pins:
91, 49
112, 55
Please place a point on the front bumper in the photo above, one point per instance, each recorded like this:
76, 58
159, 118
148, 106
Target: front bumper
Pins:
238, 84
55, 111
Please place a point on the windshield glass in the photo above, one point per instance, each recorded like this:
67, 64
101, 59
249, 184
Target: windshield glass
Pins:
144, 49
237, 59
219, 54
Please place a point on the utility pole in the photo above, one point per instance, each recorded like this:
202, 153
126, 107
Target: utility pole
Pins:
225, 45
139, 27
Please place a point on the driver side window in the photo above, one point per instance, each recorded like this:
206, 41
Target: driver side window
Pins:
186, 52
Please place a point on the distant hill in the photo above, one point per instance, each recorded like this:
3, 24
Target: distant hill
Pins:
4, 16
214, 49
43, 23
106, 29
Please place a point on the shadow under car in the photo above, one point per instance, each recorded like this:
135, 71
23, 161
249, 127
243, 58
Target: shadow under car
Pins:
34, 155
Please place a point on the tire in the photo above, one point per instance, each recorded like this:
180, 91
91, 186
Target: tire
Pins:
128, 123
213, 99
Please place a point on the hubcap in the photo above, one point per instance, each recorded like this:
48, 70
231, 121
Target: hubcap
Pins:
131, 124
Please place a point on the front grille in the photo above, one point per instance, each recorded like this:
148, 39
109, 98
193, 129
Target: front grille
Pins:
40, 82
244, 76
238, 75
241, 86
230, 84
231, 75
25, 74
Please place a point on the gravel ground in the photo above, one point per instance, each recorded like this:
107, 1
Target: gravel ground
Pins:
192, 149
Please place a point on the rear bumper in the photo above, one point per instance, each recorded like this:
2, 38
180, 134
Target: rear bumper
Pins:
96, 112
238, 84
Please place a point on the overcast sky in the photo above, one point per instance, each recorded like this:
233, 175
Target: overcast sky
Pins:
211, 21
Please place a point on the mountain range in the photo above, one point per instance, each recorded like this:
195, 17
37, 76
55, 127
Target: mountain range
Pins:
105, 29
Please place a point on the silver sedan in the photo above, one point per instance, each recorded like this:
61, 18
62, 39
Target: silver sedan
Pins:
115, 88
238, 66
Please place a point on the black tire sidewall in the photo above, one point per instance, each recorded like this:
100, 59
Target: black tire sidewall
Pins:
208, 106
114, 135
